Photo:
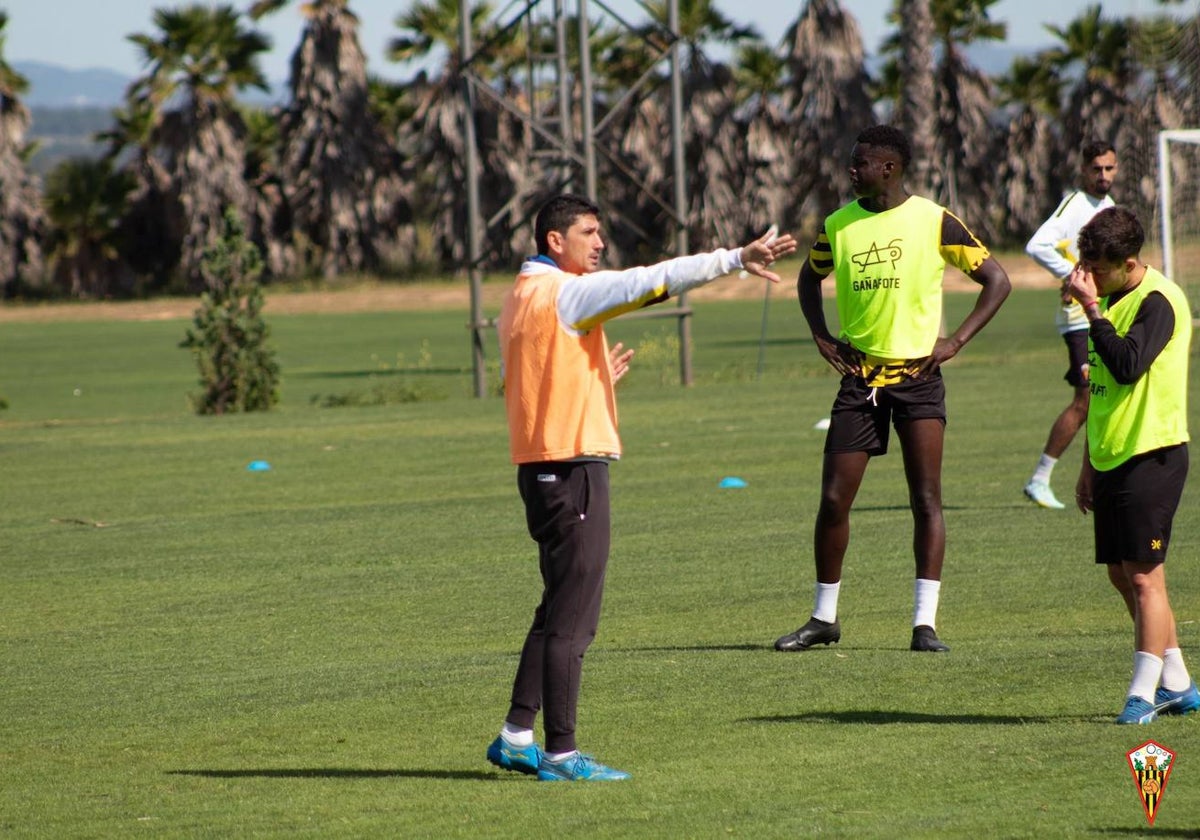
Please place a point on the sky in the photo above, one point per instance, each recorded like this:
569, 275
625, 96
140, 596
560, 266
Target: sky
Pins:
83, 34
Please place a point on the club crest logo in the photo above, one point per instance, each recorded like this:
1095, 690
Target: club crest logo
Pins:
1151, 765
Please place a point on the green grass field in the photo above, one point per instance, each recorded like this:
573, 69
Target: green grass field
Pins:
192, 649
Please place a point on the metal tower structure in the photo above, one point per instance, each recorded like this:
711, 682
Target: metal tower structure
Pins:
565, 131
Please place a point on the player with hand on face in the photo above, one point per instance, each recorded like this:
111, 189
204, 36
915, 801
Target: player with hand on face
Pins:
887, 251
559, 378
1136, 455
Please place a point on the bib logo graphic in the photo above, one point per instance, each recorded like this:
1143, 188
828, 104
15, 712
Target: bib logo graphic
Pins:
878, 256
1151, 765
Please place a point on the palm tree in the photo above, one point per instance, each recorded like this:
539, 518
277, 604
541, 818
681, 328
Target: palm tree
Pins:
200, 57
152, 218
1107, 99
22, 222
1098, 52
827, 98
86, 201
714, 142
917, 109
770, 148
1033, 168
341, 178
964, 141
435, 134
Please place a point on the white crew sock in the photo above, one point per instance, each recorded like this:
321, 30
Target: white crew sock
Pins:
559, 758
1044, 468
925, 602
1175, 676
1147, 670
516, 737
827, 601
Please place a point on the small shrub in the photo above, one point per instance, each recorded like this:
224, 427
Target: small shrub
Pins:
228, 336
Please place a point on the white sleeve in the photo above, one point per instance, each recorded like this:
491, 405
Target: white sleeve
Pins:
591, 299
1047, 245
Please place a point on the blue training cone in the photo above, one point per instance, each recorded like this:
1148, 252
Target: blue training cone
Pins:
731, 481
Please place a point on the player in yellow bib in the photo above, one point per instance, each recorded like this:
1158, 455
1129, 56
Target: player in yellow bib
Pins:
1136, 462
887, 252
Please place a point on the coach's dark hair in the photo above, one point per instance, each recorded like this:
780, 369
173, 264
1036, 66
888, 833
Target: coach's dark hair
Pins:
889, 137
559, 213
1113, 235
1092, 149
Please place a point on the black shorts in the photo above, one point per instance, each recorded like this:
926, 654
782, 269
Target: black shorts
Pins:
1077, 358
861, 414
1134, 505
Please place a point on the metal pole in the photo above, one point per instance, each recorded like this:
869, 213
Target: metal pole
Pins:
586, 104
681, 236
563, 74
1164, 190
474, 244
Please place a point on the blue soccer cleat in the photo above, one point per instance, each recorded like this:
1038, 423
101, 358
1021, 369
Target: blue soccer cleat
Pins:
1136, 711
578, 768
520, 759
1177, 702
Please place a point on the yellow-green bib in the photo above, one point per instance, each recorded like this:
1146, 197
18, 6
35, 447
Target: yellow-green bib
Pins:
1127, 420
888, 268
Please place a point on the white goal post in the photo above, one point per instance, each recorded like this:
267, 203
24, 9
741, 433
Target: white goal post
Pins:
1166, 206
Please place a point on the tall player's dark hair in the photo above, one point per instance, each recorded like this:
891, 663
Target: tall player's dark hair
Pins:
888, 137
1092, 149
1113, 235
559, 213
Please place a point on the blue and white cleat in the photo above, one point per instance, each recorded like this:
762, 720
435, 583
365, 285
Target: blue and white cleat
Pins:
1177, 702
1137, 711
1040, 493
578, 768
520, 759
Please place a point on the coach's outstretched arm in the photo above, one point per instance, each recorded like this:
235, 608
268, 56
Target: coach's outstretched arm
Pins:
587, 300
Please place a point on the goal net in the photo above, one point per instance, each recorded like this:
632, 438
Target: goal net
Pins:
1179, 208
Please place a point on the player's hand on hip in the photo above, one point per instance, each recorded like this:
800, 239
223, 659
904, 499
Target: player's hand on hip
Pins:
841, 356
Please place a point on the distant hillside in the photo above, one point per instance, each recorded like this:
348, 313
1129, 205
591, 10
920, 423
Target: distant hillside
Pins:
51, 86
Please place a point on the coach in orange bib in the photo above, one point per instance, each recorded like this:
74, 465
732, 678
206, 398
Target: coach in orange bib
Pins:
559, 374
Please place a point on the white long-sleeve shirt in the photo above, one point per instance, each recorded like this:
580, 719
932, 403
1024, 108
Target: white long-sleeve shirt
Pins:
1053, 247
588, 300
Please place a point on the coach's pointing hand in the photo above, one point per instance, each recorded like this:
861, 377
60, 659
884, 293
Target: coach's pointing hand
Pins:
763, 251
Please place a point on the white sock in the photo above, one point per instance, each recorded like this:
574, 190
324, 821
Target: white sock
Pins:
1175, 676
826, 601
516, 737
558, 758
1044, 468
925, 602
1147, 670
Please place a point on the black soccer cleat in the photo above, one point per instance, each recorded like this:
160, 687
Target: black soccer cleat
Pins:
924, 638
814, 632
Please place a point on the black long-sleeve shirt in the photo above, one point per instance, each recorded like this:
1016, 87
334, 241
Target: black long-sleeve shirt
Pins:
1128, 357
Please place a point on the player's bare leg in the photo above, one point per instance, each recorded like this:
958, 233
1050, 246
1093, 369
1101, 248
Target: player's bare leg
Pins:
922, 443
841, 476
